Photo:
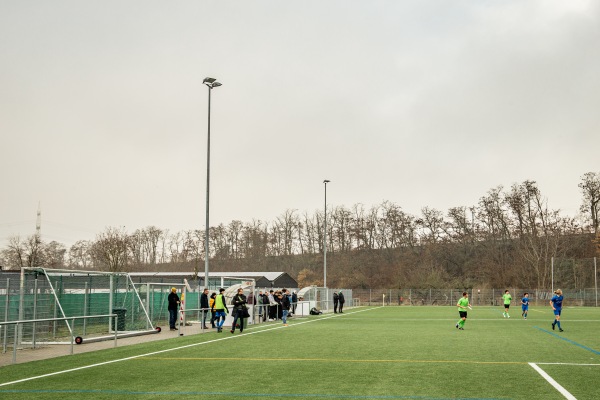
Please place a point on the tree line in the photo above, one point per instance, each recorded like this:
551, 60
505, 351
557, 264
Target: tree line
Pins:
507, 238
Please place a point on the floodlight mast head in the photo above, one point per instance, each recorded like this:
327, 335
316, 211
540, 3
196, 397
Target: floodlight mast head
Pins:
211, 82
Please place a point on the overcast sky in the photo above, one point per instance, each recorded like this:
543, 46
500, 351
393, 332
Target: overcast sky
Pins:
103, 113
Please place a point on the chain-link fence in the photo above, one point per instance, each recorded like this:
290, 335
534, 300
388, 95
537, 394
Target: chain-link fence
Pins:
478, 297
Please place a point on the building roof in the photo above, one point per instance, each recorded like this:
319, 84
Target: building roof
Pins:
269, 275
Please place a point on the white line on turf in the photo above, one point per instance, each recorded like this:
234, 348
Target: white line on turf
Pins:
173, 349
556, 385
571, 364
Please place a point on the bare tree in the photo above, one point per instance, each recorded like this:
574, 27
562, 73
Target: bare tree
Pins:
590, 188
80, 255
15, 254
110, 251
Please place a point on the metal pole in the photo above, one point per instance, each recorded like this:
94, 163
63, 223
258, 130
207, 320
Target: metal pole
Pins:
33, 327
207, 195
596, 281
552, 274
325, 239
110, 303
6, 314
85, 306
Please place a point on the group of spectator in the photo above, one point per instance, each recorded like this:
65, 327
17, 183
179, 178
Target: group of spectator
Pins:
338, 302
276, 304
271, 305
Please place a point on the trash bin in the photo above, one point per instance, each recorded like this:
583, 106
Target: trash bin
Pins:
120, 317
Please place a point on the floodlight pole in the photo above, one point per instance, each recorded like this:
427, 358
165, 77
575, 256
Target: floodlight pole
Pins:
325, 239
210, 83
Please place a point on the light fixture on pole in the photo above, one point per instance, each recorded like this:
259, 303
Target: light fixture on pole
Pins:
325, 239
210, 83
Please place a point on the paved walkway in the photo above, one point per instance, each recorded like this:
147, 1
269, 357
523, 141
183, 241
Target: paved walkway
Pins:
58, 350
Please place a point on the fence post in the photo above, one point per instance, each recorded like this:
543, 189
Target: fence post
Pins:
14, 360
72, 335
6, 309
85, 306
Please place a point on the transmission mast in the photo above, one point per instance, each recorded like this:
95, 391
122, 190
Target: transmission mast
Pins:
38, 223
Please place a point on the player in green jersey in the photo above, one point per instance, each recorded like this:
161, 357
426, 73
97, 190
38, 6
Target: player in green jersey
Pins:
507, 298
463, 304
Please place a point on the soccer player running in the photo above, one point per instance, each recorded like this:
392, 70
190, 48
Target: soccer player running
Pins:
525, 305
507, 299
556, 304
463, 304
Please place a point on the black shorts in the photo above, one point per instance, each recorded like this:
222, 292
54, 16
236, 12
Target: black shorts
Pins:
463, 314
507, 306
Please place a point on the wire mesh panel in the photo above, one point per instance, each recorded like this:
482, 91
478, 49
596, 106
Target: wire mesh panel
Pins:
47, 293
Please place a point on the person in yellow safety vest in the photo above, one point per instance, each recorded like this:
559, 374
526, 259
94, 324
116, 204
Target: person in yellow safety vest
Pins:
220, 309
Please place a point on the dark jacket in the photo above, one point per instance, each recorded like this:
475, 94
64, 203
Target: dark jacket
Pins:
239, 301
285, 302
335, 297
341, 298
173, 301
204, 301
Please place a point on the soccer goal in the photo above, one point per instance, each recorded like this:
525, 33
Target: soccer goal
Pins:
77, 297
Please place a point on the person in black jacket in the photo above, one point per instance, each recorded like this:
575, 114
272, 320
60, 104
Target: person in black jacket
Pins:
294, 301
173, 307
284, 300
279, 310
205, 307
335, 302
265, 298
239, 304
341, 300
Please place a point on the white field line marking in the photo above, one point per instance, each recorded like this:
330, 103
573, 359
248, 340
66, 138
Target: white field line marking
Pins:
175, 348
571, 364
551, 381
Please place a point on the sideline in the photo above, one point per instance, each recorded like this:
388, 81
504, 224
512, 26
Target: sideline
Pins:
177, 348
567, 340
551, 381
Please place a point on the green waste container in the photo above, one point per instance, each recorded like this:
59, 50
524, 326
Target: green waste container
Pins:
120, 318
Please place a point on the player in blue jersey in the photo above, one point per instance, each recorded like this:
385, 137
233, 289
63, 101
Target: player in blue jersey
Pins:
556, 303
525, 305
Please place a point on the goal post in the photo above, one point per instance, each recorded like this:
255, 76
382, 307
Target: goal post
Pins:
71, 294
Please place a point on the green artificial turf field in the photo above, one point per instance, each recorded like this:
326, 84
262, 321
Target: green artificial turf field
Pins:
378, 353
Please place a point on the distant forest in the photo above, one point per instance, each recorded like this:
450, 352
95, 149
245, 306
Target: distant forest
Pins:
507, 240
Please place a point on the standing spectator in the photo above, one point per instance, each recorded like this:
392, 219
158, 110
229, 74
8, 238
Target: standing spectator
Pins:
525, 305
211, 303
463, 304
173, 308
278, 310
204, 305
285, 306
260, 304
294, 301
272, 308
336, 299
556, 304
220, 309
265, 306
239, 304
507, 299
341, 300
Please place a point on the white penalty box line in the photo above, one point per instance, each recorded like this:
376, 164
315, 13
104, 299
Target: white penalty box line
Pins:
551, 380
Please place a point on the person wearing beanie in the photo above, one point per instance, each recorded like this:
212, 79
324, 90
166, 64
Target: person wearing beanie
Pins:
173, 307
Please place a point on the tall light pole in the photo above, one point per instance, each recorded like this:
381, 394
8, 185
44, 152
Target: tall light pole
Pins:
211, 83
325, 239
